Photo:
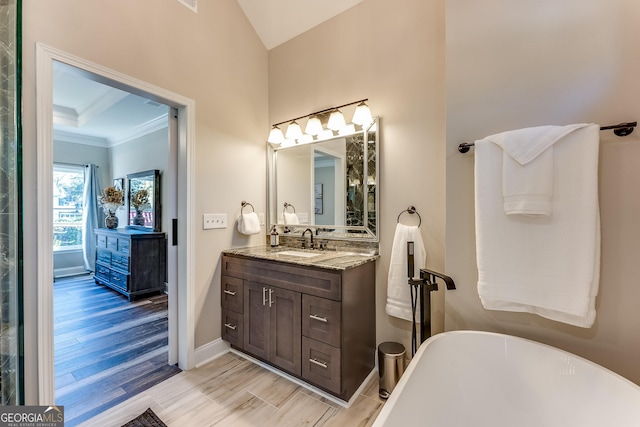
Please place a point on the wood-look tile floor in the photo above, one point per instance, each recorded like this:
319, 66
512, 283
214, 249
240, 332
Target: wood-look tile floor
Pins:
107, 349
232, 391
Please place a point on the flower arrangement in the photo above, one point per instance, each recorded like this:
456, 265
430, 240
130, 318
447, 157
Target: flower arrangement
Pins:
111, 199
140, 199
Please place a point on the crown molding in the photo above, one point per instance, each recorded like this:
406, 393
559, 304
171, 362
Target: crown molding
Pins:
156, 124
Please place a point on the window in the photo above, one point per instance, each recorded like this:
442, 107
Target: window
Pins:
68, 185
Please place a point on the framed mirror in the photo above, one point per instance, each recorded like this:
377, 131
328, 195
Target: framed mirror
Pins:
330, 184
145, 210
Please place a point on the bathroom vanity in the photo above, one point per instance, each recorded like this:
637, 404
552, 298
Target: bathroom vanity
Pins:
308, 313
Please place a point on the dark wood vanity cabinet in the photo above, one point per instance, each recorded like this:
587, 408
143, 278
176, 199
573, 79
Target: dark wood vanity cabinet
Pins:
314, 323
131, 262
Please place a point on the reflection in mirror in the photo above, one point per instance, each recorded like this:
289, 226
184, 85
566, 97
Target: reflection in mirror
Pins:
332, 183
144, 200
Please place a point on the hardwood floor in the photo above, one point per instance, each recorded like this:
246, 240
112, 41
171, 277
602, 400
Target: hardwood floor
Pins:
232, 391
107, 349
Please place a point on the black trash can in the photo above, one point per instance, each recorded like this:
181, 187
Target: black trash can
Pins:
390, 366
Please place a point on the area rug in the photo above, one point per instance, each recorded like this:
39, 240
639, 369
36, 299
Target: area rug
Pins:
147, 419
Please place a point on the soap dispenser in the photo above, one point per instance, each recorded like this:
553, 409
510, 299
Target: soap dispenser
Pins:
274, 237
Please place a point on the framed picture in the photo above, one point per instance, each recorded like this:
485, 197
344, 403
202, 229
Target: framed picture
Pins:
119, 183
318, 196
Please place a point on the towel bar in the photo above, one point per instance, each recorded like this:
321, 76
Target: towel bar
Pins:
622, 129
411, 210
243, 203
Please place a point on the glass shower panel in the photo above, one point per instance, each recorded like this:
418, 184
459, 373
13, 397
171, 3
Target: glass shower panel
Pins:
10, 232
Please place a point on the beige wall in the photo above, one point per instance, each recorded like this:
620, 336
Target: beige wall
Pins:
213, 57
393, 55
528, 63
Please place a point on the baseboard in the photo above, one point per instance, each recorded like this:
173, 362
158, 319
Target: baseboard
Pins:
69, 271
210, 351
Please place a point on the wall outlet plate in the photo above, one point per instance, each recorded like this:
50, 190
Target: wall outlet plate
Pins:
210, 221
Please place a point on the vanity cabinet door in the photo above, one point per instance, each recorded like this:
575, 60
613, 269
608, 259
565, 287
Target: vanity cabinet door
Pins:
272, 325
285, 334
256, 319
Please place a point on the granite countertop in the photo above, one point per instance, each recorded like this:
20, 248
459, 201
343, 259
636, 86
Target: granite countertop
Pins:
329, 258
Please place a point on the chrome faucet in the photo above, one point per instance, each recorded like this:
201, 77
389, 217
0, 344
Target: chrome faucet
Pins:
304, 241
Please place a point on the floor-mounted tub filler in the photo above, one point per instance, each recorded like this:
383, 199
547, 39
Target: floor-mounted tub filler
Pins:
471, 378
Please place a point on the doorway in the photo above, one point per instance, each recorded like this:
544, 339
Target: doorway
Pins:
182, 331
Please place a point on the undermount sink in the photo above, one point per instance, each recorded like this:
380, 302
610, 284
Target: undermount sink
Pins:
299, 253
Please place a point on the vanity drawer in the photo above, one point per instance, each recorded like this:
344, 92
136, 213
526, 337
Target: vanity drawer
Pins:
308, 280
104, 256
232, 293
321, 319
233, 328
120, 280
321, 364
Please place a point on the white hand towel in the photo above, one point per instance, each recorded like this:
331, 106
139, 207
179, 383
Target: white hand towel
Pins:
547, 265
398, 290
527, 173
290, 218
249, 223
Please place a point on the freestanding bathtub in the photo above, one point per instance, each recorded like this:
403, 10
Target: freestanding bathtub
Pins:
470, 378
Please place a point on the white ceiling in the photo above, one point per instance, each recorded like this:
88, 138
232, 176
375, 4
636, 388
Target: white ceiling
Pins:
89, 112
277, 21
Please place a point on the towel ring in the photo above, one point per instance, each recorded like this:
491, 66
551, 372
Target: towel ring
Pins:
245, 204
289, 205
411, 210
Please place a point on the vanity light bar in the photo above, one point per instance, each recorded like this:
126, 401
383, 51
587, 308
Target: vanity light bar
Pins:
314, 126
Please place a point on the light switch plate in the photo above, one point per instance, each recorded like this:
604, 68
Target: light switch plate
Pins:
303, 218
210, 221
261, 218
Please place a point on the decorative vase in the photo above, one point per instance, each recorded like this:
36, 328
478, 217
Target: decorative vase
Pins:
138, 219
111, 221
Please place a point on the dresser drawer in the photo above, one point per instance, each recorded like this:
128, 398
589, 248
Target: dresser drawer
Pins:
102, 272
120, 261
101, 241
321, 319
321, 364
232, 293
120, 280
103, 256
124, 246
112, 243
233, 328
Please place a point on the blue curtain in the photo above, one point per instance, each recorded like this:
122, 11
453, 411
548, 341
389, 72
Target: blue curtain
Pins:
90, 215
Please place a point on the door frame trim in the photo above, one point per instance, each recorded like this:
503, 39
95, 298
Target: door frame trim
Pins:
45, 55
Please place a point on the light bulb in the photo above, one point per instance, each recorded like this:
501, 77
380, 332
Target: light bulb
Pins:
336, 121
362, 115
275, 136
294, 131
314, 126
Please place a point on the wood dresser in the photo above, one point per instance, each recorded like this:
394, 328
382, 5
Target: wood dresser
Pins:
132, 262
315, 323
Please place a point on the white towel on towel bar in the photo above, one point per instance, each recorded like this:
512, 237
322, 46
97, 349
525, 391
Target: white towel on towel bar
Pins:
398, 291
527, 167
547, 265
249, 223
290, 218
